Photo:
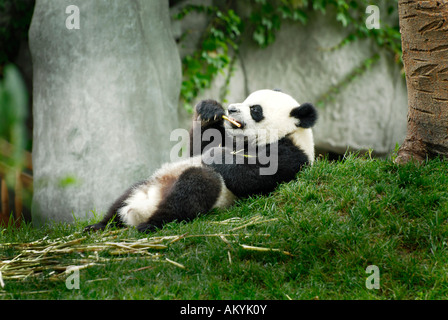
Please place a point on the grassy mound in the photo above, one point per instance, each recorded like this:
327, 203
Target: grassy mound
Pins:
312, 238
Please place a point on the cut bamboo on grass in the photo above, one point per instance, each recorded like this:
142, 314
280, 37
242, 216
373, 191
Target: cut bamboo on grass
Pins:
175, 263
51, 257
263, 249
253, 221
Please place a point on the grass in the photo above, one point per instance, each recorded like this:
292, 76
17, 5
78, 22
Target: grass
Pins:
312, 238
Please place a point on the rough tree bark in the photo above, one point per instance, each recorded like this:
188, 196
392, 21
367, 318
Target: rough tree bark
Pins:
424, 36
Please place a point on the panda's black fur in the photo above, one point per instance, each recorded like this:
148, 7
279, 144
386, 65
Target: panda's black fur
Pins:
183, 190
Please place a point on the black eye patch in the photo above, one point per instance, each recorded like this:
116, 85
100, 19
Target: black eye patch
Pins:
256, 113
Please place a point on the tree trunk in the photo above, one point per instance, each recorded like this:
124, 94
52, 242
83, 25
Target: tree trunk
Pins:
424, 36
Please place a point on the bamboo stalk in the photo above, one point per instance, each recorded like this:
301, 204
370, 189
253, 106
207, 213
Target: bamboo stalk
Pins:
232, 121
263, 249
50, 255
255, 221
175, 263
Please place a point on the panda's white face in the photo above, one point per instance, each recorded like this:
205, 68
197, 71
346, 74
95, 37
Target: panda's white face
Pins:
263, 110
267, 116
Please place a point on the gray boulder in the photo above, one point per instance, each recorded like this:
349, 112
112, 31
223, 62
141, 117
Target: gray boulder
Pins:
105, 101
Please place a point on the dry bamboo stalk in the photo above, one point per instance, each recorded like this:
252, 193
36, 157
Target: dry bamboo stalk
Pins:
232, 121
183, 236
223, 238
264, 249
27, 292
37, 256
175, 263
5, 263
45, 254
95, 280
255, 221
141, 269
227, 221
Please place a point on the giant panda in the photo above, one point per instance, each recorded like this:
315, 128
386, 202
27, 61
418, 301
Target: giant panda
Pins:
268, 125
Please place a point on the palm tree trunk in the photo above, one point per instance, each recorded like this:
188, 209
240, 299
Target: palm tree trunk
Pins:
424, 36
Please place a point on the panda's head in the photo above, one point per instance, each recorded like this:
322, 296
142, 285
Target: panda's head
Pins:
265, 111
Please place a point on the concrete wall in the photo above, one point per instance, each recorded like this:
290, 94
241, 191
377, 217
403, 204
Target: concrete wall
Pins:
370, 112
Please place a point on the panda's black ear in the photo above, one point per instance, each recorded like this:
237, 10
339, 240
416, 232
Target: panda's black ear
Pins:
306, 113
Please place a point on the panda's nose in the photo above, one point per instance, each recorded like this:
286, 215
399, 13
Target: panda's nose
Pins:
232, 109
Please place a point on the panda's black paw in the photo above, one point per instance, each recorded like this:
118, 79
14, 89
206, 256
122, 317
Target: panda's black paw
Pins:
94, 227
146, 228
209, 111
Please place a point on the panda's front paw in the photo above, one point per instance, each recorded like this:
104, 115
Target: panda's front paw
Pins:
94, 227
209, 111
146, 228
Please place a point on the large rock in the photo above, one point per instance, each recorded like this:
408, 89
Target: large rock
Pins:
105, 101
368, 112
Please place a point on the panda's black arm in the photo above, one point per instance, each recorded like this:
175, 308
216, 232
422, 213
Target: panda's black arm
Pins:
261, 178
207, 116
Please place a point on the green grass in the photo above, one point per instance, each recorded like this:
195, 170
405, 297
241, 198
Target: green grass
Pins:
336, 219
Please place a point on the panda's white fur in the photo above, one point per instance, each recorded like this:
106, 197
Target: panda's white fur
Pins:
276, 108
140, 204
144, 200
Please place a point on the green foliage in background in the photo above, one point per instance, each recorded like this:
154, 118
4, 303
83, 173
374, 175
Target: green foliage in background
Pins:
13, 114
15, 20
220, 41
222, 34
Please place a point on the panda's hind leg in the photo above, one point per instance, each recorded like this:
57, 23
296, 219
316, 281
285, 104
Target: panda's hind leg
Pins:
195, 192
111, 217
